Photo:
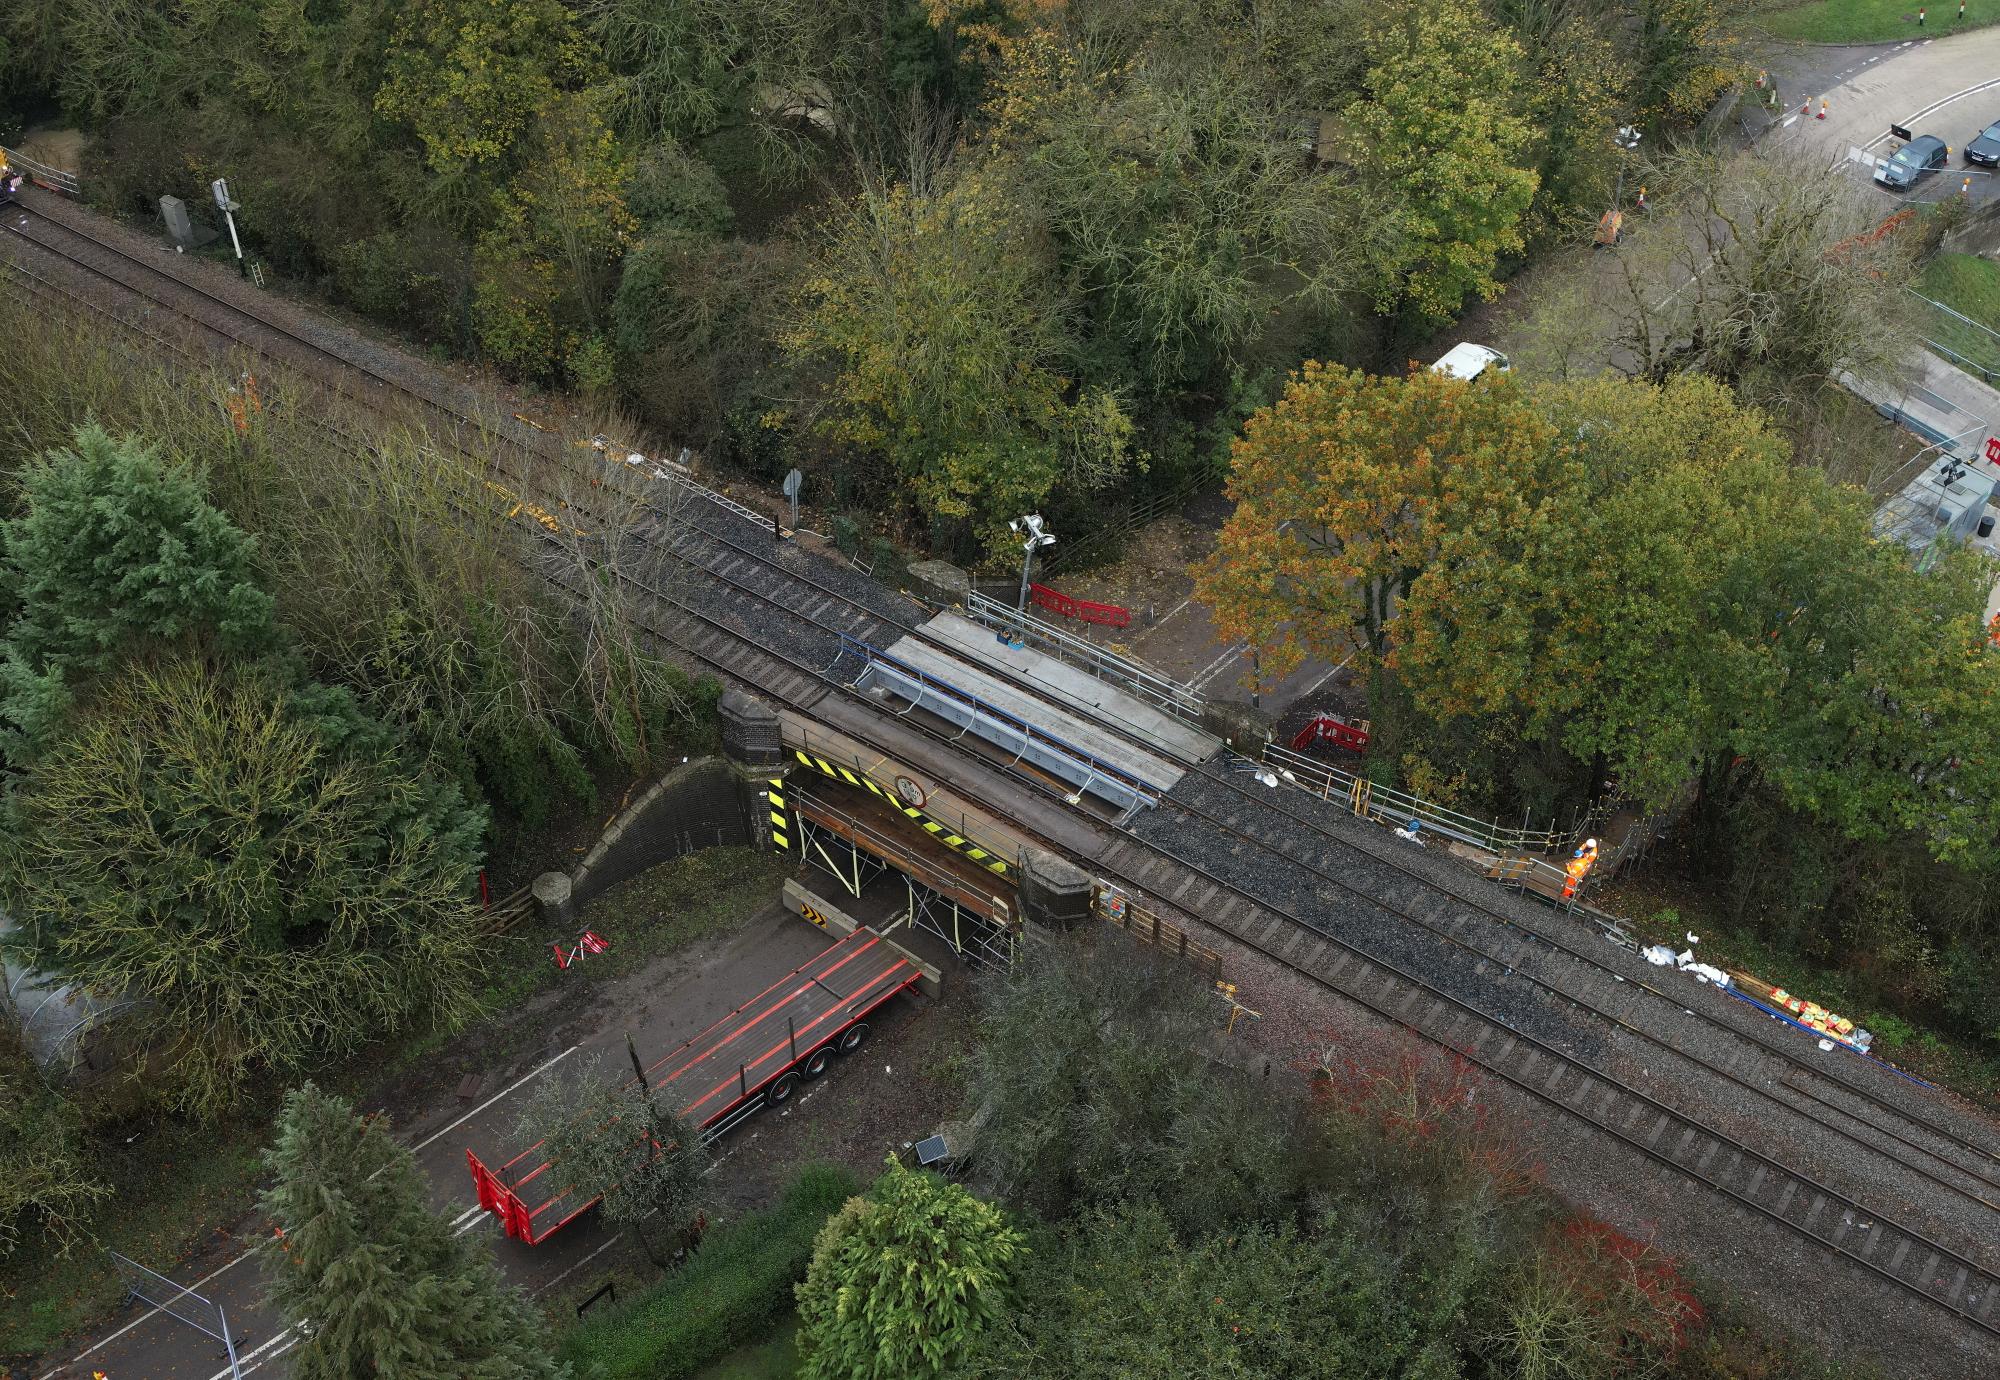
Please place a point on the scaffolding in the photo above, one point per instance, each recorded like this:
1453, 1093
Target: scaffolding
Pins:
976, 924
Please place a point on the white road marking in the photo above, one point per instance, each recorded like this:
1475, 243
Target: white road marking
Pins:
285, 1336
580, 1264
504, 1092
1909, 121
1332, 671
241, 1256
290, 1342
229, 1264
1219, 665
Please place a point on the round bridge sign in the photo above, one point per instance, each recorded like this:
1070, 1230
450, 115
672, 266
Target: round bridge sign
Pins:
912, 792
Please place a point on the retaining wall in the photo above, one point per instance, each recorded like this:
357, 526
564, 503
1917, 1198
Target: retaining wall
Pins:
699, 804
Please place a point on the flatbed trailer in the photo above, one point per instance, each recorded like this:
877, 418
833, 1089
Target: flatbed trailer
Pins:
754, 1057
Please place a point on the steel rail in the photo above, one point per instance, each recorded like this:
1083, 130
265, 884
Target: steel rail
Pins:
723, 647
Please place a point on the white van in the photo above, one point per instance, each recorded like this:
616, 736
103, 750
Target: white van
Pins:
1467, 361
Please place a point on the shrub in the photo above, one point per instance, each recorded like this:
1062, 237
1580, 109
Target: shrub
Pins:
736, 1289
903, 1280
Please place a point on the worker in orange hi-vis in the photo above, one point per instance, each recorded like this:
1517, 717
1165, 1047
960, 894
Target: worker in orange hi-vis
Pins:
1578, 867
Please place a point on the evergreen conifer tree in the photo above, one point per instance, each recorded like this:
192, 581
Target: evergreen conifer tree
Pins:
380, 1284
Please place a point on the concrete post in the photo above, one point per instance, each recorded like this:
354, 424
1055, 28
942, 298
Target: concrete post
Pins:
553, 903
750, 731
941, 582
1055, 893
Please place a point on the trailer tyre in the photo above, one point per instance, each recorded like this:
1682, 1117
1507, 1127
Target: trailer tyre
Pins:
854, 1037
781, 1091
817, 1061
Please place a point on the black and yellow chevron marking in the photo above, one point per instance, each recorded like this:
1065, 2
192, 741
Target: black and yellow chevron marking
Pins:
937, 831
781, 819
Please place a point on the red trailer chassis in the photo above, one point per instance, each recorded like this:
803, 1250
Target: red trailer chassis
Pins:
756, 1056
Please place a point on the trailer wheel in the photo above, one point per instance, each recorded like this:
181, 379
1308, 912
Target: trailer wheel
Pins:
854, 1037
782, 1090
817, 1061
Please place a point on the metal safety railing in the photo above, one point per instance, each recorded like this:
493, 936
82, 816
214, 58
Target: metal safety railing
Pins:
1371, 799
1184, 702
42, 174
1076, 766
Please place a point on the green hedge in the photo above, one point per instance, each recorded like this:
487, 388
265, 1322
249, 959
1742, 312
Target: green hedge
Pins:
735, 1290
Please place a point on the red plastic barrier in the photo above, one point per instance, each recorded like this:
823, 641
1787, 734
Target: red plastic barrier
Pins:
1104, 615
1331, 728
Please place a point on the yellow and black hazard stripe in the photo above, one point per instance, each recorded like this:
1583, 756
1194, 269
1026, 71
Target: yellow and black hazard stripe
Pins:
781, 818
943, 834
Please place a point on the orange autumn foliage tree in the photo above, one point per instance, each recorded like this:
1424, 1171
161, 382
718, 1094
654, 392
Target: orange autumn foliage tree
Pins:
1344, 489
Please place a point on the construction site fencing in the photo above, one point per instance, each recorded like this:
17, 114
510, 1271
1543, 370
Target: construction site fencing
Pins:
1371, 800
42, 174
1952, 335
1184, 702
178, 1302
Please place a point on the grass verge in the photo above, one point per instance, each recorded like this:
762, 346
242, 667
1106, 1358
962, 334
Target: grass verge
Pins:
170, 1187
1970, 286
1871, 21
774, 1358
738, 1289
177, 1186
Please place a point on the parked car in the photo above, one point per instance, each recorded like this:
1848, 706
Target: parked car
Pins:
1913, 162
1468, 361
1985, 149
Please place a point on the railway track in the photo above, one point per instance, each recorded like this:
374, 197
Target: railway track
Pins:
732, 638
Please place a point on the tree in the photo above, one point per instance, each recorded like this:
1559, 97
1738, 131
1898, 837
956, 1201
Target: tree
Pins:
252, 863
1778, 279
1684, 57
930, 318
470, 77
1092, 1086
903, 1280
618, 1139
45, 1157
1590, 621
1180, 197
1442, 126
543, 272
1344, 489
383, 1286
116, 551
1117, 1294
694, 326
1575, 85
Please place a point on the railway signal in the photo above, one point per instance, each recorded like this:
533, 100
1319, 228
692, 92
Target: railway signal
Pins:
220, 189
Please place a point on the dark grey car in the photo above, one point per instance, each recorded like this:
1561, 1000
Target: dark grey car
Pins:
1916, 160
1986, 148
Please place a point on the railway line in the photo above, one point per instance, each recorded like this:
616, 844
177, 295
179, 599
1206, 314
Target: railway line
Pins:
733, 627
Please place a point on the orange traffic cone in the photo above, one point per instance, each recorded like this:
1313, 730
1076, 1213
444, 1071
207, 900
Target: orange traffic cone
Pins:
1806, 109
1822, 109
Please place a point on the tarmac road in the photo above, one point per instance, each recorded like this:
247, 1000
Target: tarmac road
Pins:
670, 1000
1949, 87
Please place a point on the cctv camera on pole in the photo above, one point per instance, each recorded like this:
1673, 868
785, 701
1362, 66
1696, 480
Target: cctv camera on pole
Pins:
1035, 537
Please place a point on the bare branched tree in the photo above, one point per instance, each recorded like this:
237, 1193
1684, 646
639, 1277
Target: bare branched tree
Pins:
614, 1136
1772, 271
615, 540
